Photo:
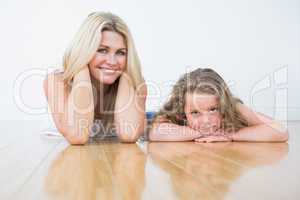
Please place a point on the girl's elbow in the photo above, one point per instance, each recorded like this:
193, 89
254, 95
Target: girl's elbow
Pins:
285, 136
282, 136
153, 136
150, 137
283, 133
279, 132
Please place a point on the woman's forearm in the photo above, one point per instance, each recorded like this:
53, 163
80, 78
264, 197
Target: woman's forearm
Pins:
80, 107
129, 114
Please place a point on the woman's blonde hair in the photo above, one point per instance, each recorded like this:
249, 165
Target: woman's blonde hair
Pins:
87, 41
84, 46
203, 81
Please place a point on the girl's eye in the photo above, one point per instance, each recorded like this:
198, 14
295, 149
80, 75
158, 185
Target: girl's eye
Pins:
213, 110
102, 50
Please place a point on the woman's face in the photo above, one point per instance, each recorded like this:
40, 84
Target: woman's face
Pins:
110, 59
202, 112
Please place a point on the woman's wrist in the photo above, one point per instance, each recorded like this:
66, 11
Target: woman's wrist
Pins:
83, 75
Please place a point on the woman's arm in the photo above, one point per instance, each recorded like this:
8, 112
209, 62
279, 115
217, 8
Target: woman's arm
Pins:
72, 111
261, 127
163, 131
129, 114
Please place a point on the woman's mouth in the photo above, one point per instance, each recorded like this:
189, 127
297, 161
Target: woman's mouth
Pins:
107, 70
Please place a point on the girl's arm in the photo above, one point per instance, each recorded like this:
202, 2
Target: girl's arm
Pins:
261, 127
129, 117
166, 131
72, 111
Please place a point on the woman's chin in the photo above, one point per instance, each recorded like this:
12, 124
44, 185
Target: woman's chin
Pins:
104, 77
108, 80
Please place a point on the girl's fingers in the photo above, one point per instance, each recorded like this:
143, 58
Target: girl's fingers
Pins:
212, 139
207, 139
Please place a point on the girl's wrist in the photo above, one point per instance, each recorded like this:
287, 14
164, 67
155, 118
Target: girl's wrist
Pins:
230, 137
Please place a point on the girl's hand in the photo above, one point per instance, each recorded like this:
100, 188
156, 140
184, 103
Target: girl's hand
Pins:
214, 138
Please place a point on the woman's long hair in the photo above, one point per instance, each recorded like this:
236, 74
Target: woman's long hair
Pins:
84, 46
201, 81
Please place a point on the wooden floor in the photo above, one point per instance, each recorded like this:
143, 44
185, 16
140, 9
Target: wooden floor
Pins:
35, 167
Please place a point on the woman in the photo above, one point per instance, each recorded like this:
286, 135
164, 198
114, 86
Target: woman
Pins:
202, 109
101, 82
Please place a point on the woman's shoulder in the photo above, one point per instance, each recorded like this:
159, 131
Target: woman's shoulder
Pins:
53, 81
57, 75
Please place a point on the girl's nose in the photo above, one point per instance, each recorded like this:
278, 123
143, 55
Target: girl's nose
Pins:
205, 119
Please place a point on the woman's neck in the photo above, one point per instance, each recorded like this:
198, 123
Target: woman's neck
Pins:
101, 88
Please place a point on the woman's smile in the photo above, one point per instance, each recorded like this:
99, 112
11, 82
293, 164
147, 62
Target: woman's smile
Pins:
108, 71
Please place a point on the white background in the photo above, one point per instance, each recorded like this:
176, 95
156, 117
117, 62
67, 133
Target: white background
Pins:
247, 42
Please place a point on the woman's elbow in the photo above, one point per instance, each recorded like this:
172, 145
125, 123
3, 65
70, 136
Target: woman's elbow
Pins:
128, 137
128, 140
75, 139
129, 134
78, 140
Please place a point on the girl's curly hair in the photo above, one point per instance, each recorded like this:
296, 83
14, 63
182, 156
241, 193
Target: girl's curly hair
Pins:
201, 81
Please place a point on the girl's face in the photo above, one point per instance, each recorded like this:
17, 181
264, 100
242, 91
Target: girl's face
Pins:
110, 59
202, 112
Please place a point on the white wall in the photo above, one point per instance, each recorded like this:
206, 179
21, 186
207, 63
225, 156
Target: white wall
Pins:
247, 42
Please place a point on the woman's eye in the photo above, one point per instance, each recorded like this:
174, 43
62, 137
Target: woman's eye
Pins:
121, 53
102, 50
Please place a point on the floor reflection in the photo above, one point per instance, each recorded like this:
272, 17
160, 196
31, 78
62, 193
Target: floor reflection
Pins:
98, 171
206, 170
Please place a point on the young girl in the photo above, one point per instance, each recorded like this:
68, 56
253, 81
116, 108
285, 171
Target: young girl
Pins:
101, 81
202, 109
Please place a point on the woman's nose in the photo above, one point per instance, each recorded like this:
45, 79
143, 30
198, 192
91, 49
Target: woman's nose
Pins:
111, 59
